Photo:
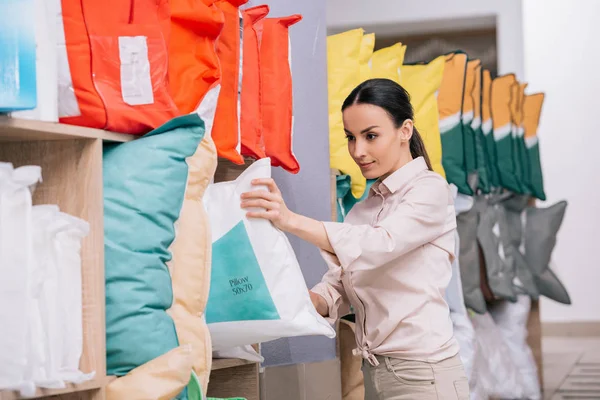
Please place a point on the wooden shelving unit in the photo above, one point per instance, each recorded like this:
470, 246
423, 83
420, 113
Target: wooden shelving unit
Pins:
71, 161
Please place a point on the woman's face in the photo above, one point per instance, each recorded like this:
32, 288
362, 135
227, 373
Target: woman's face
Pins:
375, 144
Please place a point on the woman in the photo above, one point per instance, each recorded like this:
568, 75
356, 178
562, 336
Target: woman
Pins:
391, 258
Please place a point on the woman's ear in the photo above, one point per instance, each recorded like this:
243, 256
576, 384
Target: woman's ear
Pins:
406, 130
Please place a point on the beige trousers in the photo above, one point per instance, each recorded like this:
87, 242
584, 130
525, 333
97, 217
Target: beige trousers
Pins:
396, 379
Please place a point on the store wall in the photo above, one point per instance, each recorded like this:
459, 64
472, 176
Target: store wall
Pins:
308, 192
561, 59
415, 17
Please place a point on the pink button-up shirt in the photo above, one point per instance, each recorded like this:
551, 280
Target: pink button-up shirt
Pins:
392, 263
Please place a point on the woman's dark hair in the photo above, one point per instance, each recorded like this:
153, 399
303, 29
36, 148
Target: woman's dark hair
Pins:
395, 100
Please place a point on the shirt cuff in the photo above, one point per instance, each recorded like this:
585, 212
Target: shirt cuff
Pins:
332, 297
345, 241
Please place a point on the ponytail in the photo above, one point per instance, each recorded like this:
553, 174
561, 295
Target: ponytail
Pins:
417, 148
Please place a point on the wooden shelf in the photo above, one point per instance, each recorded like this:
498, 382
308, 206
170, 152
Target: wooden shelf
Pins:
86, 386
225, 363
71, 162
20, 130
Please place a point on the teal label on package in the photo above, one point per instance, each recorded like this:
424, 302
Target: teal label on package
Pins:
238, 291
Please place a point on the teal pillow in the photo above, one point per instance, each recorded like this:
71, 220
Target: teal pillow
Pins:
345, 200
144, 185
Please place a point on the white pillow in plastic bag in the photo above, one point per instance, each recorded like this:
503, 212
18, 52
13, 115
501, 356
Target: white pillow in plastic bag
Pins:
16, 249
496, 371
70, 231
511, 319
257, 290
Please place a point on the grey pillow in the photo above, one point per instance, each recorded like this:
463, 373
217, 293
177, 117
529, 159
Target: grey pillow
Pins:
468, 258
499, 271
512, 240
541, 228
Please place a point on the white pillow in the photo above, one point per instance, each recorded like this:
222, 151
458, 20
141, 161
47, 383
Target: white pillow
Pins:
257, 290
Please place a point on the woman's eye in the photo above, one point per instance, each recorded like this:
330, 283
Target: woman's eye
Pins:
349, 138
371, 136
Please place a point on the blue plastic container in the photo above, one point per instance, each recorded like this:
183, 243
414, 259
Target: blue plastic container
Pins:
17, 55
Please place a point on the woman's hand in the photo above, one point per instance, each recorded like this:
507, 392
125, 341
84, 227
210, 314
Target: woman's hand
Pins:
271, 201
319, 303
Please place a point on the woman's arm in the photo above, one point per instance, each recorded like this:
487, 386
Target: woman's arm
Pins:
276, 211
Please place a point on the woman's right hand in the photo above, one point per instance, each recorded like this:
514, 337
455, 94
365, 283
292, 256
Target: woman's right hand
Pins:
319, 303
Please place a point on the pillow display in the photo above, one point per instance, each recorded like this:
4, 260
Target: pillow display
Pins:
157, 276
469, 257
366, 52
343, 75
532, 109
498, 270
193, 62
276, 92
250, 99
502, 122
541, 228
468, 114
476, 125
118, 62
226, 129
489, 145
257, 293
511, 320
386, 62
422, 81
450, 107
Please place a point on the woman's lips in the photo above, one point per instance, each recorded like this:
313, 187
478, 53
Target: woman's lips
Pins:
366, 165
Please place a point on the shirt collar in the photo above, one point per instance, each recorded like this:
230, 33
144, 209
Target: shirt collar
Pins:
401, 177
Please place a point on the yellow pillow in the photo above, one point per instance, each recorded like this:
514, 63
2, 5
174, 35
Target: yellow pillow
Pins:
386, 62
422, 81
343, 75
366, 52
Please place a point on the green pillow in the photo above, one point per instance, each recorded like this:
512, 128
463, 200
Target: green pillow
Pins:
503, 131
534, 180
345, 200
450, 100
468, 114
476, 125
488, 143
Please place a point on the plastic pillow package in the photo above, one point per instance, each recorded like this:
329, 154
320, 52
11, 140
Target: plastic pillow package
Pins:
16, 187
496, 370
44, 339
246, 352
257, 292
68, 237
511, 319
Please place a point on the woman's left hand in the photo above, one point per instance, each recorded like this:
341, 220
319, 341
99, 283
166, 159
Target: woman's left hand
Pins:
271, 201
